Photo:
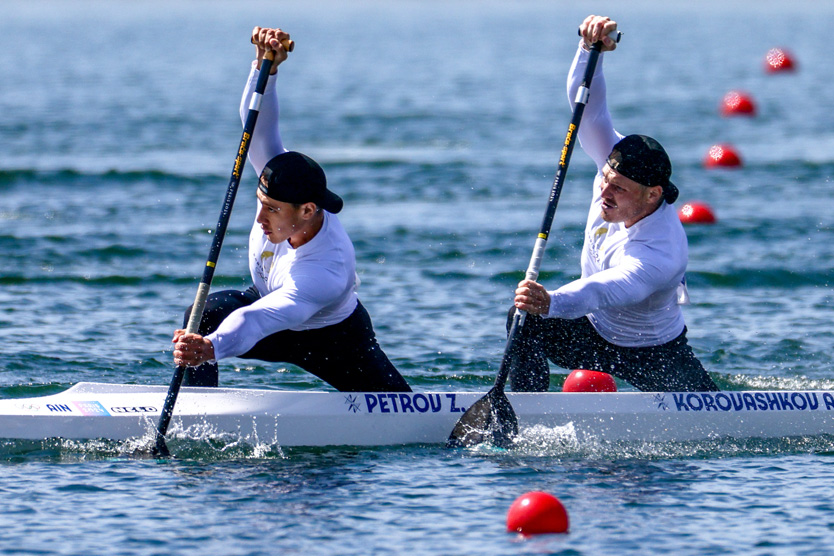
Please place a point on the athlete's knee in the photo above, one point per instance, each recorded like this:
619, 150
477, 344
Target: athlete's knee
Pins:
219, 305
510, 315
206, 374
187, 316
207, 324
530, 326
397, 383
530, 378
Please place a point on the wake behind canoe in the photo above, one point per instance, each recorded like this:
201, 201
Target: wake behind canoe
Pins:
303, 418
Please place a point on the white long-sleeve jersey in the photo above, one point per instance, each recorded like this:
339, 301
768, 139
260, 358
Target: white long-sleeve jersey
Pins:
632, 278
301, 289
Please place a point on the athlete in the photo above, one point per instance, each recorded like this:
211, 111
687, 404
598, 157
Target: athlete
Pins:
302, 307
623, 315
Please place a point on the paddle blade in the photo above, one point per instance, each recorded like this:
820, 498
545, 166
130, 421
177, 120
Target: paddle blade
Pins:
490, 419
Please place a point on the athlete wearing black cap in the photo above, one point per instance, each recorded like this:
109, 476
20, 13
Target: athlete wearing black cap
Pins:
623, 315
302, 307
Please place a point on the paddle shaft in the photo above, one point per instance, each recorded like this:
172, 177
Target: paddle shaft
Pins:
547, 222
214, 253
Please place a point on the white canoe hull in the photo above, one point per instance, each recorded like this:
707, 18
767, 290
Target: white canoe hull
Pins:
294, 418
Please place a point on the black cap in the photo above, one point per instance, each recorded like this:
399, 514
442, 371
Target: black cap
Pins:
642, 159
295, 178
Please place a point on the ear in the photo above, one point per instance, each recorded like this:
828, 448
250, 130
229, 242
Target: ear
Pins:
654, 194
308, 210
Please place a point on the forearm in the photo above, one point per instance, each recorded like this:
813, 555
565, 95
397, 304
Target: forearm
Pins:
245, 327
266, 139
611, 288
596, 133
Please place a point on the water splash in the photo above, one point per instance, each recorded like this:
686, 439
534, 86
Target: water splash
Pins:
200, 441
540, 441
799, 383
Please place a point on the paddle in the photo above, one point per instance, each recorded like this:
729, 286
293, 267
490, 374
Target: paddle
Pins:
161, 448
492, 418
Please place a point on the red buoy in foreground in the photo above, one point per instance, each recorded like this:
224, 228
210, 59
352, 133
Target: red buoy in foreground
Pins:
778, 60
695, 212
722, 155
581, 380
737, 103
536, 513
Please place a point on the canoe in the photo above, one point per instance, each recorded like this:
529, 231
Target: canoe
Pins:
304, 418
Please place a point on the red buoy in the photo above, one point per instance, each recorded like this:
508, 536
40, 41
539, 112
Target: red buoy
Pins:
695, 212
536, 513
581, 380
722, 155
778, 60
737, 103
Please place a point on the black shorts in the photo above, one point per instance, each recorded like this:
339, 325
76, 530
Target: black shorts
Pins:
575, 344
346, 355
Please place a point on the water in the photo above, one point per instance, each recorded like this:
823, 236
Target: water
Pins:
440, 124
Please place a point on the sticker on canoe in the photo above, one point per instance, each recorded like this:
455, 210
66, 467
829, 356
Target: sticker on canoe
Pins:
85, 408
90, 408
134, 409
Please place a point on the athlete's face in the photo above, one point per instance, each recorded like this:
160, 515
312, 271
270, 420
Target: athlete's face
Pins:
625, 200
281, 221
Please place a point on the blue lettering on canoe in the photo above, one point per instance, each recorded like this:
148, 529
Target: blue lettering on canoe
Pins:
761, 402
722, 402
680, 403
700, 402
783, 399
409, 403
421, 402
59, 407
405, 403
738, 401
393, 398
454, 408
752, 401
798, 401
773, 400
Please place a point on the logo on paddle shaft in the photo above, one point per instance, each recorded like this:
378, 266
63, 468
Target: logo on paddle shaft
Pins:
241, 155
568, 138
